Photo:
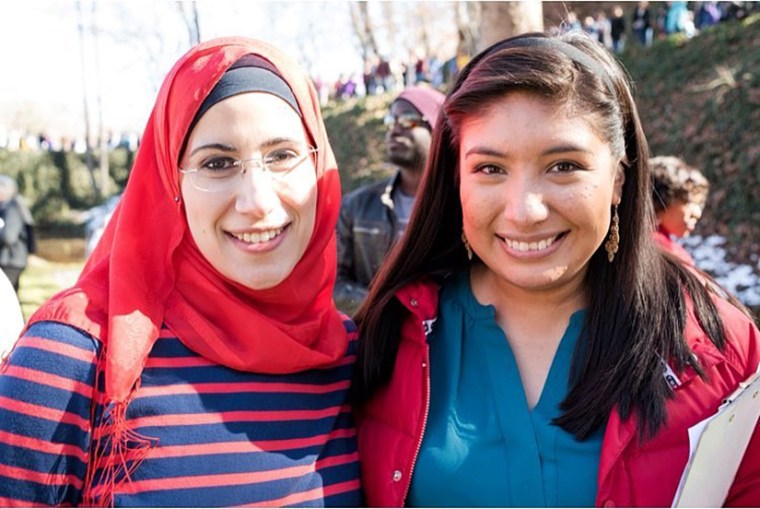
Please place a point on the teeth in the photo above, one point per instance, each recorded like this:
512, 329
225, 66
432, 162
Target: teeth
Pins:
258, 237
532, 246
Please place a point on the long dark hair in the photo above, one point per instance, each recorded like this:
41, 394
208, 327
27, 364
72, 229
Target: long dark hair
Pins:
637, 304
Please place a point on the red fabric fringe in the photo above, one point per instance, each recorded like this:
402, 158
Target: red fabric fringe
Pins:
116, 451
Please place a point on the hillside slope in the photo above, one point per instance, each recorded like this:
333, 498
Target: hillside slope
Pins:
699, 99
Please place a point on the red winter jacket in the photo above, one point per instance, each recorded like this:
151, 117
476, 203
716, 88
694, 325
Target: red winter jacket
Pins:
391, 425
662, 238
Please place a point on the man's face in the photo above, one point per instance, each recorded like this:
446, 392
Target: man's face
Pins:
408, 137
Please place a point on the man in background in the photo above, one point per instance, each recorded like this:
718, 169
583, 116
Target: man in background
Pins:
16, 231
373, 218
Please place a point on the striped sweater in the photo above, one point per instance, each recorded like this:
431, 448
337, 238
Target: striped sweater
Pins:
221, 437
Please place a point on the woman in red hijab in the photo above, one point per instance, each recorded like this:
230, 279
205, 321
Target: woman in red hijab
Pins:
199, 360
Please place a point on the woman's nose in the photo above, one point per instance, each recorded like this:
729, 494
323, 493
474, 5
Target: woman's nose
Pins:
257, 194
525, 203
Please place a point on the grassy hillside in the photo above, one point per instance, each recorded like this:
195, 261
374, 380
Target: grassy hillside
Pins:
356, 131
699, 99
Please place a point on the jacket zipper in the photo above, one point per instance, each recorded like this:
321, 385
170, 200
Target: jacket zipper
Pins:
426, 367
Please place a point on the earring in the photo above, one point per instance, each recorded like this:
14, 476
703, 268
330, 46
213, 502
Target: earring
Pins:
466, 245
613, 242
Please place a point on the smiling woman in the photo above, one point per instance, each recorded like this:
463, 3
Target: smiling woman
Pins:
527, 344
199, 360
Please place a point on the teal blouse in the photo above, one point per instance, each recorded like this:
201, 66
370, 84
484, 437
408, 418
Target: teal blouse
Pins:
483, 446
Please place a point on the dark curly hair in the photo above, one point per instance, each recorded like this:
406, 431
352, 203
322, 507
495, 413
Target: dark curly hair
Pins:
675, 180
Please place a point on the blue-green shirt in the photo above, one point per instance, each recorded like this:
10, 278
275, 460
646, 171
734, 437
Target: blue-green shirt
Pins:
483, 445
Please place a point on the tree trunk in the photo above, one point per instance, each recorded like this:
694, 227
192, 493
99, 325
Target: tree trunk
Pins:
189, 12
500, 20
102, 135
467, 16
85, 103
363, 29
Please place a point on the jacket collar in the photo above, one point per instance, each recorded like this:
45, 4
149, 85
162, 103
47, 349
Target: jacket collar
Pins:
421, 300
387, 197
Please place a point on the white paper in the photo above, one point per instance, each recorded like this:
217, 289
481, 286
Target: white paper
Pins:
717, 446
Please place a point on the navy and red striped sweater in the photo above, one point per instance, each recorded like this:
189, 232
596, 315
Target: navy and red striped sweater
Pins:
223, 437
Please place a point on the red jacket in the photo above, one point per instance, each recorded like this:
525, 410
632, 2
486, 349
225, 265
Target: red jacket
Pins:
667, 244
391, 425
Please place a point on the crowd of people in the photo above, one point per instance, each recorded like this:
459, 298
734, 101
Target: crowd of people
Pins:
613, 26
641, 24
518, 334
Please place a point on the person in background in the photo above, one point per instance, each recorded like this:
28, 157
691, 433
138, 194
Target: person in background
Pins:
617, 29
641, 24
11, 318
199, 360
373, 218
16, 229
527, 344
679, 196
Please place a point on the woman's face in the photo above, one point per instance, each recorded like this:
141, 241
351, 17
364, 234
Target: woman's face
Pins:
255, 232
537, 186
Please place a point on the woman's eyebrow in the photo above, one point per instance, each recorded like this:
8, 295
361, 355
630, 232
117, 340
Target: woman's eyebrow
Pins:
216, 146
484, 151
567, 147
224, 147
278, 141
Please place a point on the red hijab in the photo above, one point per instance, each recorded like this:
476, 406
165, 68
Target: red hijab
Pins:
147, 269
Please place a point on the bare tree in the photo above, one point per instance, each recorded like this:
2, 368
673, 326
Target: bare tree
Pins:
361, 23
102, 135
149, 42
423, 32
467, 18
500, 20
189, 12
390, 26
85, 99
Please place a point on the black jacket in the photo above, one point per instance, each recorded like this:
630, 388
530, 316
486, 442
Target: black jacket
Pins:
366, 230
14, 218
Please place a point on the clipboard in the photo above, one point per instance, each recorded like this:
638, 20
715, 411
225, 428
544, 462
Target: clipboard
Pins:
717, 447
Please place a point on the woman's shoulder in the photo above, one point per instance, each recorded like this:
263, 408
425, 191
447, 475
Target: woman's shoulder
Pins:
73, 307
351, 331
742, 348
421, 296
56, 347
59, 332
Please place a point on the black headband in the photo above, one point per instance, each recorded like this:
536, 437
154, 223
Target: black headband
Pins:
575, 54
249, 74
571, 52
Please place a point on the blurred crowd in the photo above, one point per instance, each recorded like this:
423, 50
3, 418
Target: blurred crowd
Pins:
614, 25
642, 24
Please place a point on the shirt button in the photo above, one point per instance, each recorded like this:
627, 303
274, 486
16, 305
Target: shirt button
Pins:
424, 364
609, 503
413, 302
396, 475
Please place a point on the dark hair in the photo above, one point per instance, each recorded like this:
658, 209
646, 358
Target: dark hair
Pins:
637, 304
674, 180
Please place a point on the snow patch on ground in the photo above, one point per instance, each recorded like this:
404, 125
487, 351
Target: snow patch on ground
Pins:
710, 255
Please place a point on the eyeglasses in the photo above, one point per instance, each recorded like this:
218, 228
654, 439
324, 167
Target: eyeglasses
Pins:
405, 120
223, 173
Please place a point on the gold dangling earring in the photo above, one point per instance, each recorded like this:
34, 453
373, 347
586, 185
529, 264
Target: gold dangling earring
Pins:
613, 242
466, 245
